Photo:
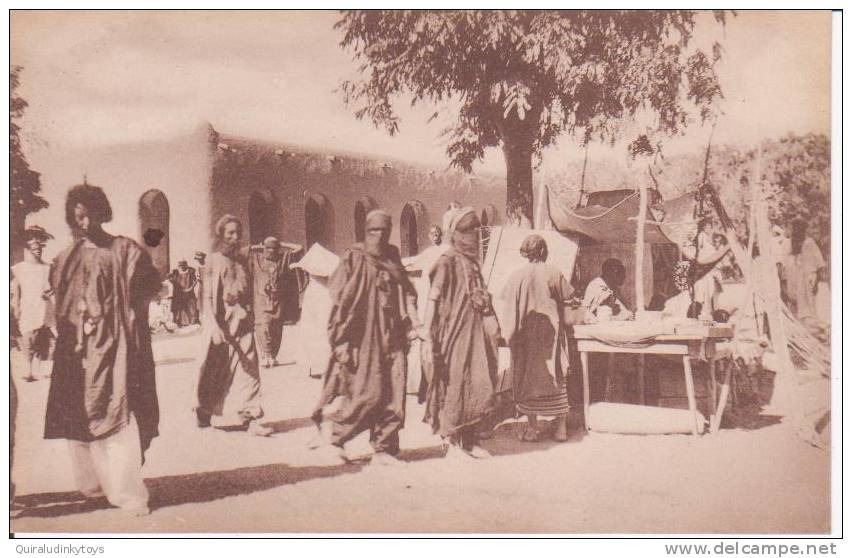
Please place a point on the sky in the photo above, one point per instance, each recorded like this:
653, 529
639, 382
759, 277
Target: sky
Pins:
109, 77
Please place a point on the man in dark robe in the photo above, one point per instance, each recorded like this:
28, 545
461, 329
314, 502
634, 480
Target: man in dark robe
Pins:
373, 317
184, 303
463, 331
103, 396
276, 294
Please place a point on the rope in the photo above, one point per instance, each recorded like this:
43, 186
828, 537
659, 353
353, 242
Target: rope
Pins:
607, 212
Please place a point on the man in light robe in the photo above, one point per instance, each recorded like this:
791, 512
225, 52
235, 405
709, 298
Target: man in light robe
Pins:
319, 263
103, 396
601, 300
373, 318
535, 297
276, 289
200, 258
30, 290
800, 272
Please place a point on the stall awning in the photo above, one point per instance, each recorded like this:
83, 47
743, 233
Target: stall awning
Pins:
618, 222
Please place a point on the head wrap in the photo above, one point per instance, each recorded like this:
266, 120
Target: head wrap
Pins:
377, 219
534, 248
182, 262
271, 242
464, 229
200, 255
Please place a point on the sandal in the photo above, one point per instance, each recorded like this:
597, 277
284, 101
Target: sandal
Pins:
530, 435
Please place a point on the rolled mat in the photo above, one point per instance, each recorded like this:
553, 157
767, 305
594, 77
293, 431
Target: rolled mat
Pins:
623, 418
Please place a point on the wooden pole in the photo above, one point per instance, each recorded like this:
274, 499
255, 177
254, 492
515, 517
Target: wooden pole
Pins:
640, 249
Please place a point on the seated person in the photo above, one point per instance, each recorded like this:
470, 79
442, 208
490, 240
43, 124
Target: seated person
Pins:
602, 293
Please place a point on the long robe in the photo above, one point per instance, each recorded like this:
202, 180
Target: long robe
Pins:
313, 326
184, 303
229, 378
534, 298
369, 321
420, 357
93, 392
464, 339
800, 274
276, 290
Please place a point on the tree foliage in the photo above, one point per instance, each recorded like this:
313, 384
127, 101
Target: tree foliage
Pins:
24, 183
523, 77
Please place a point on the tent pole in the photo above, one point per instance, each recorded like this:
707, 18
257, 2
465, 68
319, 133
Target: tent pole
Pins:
640, 249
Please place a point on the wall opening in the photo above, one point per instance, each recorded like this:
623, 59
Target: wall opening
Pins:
413, 228
319, 222
154, 228
489, 216
261, 213
363, 206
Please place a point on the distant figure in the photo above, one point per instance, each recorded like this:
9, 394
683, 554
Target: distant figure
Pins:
707, 254
160, 317
601, 299
822, 299
800, 268
103, 395
184, 303
424, 262
30, 296
535, 296
276, 290
461, 326
373, 317
228, 386
199, 258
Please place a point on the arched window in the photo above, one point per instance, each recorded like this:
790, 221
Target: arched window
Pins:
363, 206
489, 216
319, 221
412, 228
154, 228
261, 216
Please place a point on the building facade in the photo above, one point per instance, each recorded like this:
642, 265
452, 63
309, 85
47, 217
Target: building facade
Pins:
182, 186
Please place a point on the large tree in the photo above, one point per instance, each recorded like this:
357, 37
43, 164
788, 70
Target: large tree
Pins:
523, 78
24, 183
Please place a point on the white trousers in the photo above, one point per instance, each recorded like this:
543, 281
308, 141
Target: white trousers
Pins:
111, 467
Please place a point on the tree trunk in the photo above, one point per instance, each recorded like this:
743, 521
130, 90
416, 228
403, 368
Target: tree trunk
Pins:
519, 182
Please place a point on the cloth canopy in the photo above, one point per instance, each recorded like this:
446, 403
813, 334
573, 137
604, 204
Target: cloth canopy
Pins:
618, 222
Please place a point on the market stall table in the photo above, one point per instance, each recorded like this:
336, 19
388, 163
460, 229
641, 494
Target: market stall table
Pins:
622, 337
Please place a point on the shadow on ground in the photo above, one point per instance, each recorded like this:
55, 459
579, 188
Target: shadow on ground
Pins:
175, 490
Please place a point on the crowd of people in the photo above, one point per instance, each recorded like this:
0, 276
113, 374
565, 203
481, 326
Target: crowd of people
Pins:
95, 303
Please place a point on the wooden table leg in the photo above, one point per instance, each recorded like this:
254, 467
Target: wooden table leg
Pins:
690, 392
723, 399
712, 386
584, 364
641, 379
610, 368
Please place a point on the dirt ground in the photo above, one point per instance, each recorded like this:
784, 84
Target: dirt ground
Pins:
761, 480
